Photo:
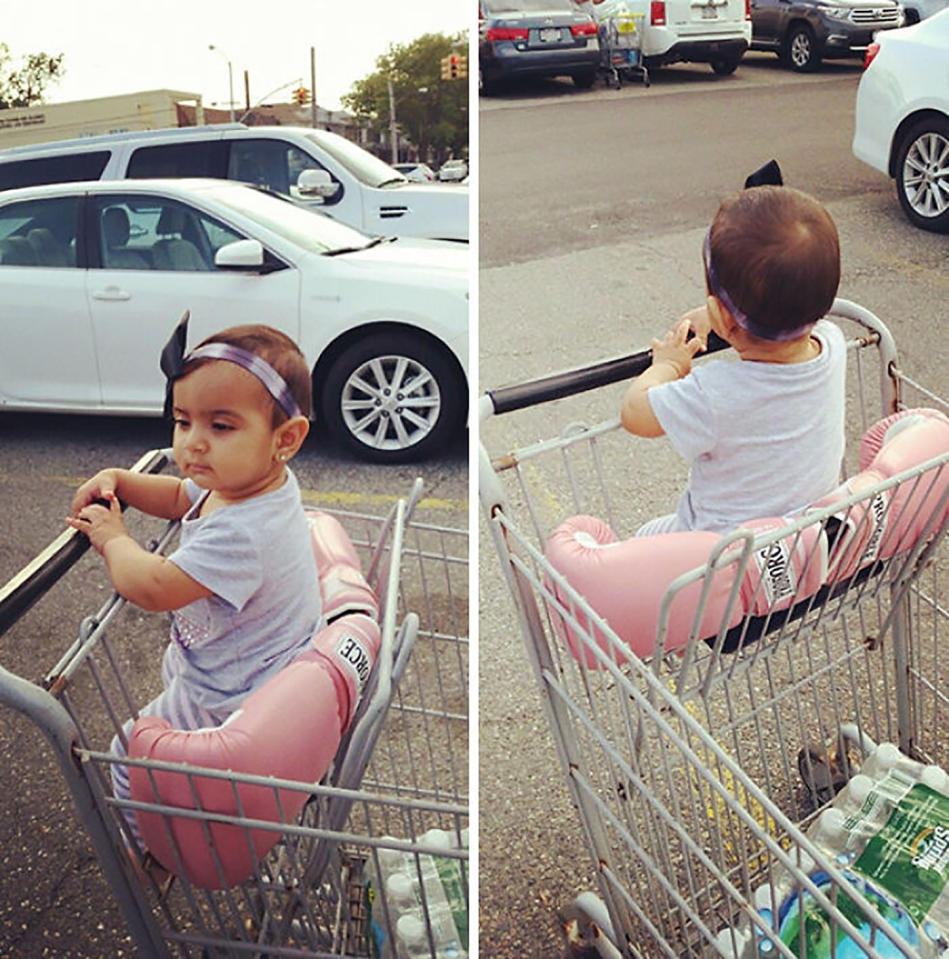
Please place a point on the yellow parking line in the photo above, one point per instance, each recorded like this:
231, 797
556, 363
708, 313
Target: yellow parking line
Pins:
338, 498
354, 500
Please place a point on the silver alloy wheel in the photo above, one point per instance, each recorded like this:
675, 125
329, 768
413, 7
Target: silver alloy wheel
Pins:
801, 49
390, 402
926, 174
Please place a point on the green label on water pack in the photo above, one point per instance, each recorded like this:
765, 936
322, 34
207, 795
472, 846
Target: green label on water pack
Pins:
449, 872
909, 857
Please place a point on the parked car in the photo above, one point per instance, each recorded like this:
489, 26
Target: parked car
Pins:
453, 171
540, 38
805, 32
416, 172
314, 168
716, 32
902, 118
94, 275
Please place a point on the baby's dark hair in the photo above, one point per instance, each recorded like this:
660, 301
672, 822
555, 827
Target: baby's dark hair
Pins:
777, 253
279, 351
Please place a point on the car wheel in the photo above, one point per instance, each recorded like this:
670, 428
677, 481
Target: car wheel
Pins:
584, 80
800, 49
922, 174
486, 85
725, 68
393, 397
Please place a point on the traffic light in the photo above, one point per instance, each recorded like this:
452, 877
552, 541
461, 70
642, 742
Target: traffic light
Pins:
454, 67
301, 96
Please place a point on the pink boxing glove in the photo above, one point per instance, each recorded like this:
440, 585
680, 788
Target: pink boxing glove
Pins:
624, 581
343, 587
349, 648
784, 572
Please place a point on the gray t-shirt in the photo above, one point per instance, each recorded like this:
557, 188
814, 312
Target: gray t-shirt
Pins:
256, 558
761, 439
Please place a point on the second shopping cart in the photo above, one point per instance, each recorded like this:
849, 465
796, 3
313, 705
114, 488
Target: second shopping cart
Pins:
708, 753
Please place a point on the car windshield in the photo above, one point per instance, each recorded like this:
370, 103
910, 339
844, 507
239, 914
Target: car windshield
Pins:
526, 6
360, 163
313, 231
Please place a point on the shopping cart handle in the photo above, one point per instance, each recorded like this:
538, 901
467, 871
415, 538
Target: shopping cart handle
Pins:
45, 570
558, 385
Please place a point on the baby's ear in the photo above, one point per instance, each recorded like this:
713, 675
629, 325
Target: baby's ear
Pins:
722, 322
290, 436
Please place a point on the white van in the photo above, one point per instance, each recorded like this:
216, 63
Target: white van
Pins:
313, 168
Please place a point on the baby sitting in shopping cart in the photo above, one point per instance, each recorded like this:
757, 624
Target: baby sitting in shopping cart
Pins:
240, 586
763, 436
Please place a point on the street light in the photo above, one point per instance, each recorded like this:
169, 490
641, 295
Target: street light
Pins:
230, 77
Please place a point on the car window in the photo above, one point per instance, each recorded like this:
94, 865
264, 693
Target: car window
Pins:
66, 168
360, 163
142, 232
273, 165
314, 232
201, 159
39, 232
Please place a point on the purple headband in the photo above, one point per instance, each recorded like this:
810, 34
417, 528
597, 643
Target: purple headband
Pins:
173, 360
273, 382
742, 319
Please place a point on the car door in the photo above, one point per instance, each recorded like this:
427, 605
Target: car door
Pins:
766, 17
153, 259
47, 357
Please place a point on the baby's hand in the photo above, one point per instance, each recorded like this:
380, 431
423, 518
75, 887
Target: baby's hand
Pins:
700, 324
100, 524
674, 350
101, 486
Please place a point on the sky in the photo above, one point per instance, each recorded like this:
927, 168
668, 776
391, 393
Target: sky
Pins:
124, 47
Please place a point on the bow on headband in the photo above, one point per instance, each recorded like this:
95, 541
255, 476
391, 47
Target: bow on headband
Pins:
174, 360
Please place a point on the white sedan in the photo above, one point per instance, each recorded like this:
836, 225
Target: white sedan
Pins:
902, 117
453, 171
94, 276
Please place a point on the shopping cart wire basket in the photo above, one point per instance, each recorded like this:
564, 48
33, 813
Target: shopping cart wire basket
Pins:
698, 765
395, 793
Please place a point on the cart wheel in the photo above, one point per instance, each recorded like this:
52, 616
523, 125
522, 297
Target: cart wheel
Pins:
826, 771
581, 928
580, 933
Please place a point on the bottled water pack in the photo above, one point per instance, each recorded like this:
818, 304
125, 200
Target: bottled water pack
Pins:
400, 881
888, 833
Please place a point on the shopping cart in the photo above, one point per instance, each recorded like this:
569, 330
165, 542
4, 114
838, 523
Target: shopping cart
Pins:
696, 773
397, 787
620, 37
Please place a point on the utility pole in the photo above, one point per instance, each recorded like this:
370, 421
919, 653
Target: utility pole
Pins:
393, 132
247, 90
313, 87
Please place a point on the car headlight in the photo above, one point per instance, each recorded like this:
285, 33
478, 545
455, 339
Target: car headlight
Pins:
838, 13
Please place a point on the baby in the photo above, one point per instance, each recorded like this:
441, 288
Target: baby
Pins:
242, 585
763, 436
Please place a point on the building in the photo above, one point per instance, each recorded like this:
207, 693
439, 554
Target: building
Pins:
149, 110
156, 110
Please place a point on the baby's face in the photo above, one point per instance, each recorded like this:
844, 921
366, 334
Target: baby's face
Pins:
224, 439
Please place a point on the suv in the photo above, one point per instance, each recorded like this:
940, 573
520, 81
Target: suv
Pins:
315, 169
803, 32
716, 32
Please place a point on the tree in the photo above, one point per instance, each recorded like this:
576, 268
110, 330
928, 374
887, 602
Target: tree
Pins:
24, 85
431, 113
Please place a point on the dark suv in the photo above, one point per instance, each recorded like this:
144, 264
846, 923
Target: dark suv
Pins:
803, 32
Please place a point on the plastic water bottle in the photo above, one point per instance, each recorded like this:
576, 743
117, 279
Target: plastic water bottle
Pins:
420, 892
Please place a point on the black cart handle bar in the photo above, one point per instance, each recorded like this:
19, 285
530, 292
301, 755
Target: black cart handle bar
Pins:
46, 569
507, 399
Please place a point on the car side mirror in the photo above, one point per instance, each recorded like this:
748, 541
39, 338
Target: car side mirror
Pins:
316, 183
240, 255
